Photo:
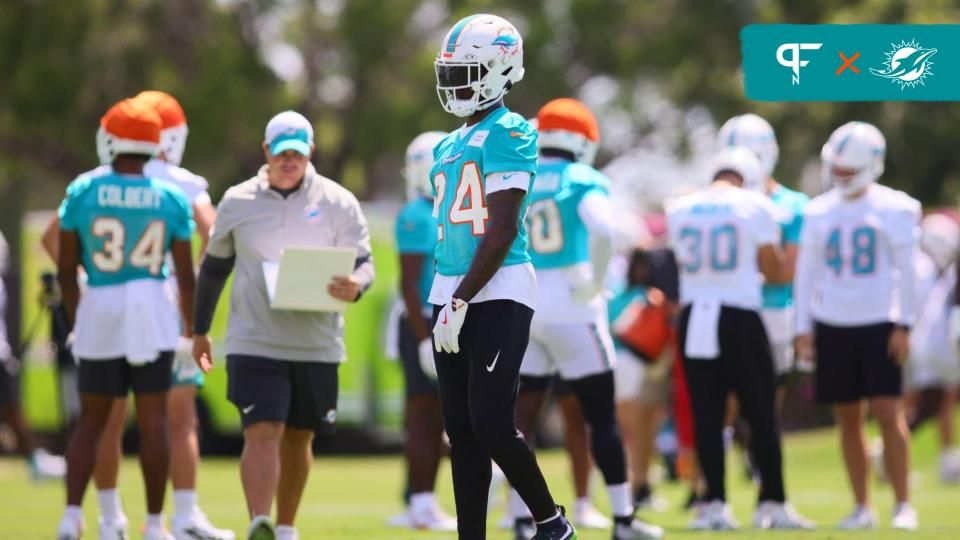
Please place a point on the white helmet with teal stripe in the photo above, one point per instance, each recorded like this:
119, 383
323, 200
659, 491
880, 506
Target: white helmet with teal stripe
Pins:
853, 157
480, 59
755, 133
418, 162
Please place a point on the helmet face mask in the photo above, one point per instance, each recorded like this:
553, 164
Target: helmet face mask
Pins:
479, 61
852, 158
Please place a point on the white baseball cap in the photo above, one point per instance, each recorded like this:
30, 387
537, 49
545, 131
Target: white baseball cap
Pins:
289, 130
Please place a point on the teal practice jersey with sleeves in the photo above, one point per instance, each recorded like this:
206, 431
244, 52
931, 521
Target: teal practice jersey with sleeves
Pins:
558, 237
417, 235
792, 203
126, 225
501, 142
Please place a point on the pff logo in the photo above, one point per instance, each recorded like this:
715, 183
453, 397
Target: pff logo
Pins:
794, 62
907, 64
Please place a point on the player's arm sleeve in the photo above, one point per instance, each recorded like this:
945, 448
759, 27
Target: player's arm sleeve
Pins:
803, 279
596, 212
415, 233
221, 234
905, 240
353, 232
211, 279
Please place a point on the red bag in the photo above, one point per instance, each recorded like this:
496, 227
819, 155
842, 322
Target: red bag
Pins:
644, 326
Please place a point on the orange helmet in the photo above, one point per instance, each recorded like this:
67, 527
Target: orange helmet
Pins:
129, 127
567, 124
173, 138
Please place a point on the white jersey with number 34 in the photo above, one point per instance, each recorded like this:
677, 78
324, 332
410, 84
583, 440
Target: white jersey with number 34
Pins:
716, 234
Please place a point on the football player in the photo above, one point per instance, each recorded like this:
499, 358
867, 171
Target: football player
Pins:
855, 306
189, 521
570, 227
485, 289
416, 232
757, 135
723, 237
120, 225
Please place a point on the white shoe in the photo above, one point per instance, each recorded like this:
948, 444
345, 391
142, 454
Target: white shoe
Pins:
197, 526
904, 518
862, 518
401, 521
950, 466
433, 518
637, 530
46, 466
714, 516
586, 516
157, 533
114, 529
69, 529
773, 515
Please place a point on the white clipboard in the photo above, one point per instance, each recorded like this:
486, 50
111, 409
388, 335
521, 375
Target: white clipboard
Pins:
298, 282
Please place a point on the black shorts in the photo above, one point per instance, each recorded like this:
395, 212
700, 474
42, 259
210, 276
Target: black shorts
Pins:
9, 384
415, 381
302, 395
854, 363
116, 377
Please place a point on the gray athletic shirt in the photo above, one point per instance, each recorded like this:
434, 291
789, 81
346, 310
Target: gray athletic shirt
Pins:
253, 224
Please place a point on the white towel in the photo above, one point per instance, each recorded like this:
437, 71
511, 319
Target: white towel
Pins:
779, 324
703, 340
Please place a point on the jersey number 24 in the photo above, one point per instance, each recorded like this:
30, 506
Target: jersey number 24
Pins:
468, 205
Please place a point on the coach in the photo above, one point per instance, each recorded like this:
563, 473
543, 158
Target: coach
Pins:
281, 365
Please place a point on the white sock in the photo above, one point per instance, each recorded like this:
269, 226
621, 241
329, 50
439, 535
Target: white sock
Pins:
420, 502
154, 521
620, 499
74, 513
286, 532
184, 501
555, 516
517, 508
109, 500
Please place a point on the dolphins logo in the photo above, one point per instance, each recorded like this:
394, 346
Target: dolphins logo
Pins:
907, 64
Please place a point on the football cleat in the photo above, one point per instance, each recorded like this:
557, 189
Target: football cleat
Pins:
862, 518
114, 529
69, 529
558, 528
261, 528
773, 515
46, 466
198, 527
586, 516
714, 516
637, 530
157, 533
904, 518
432, 518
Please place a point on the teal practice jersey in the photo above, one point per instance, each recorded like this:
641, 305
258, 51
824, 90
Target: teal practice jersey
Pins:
126, 224
417, 235
501, 142
792, 203
558, 237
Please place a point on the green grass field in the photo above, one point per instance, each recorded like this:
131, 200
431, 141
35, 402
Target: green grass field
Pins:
349, 498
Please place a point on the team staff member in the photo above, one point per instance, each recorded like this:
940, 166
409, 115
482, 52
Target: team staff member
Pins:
281, 365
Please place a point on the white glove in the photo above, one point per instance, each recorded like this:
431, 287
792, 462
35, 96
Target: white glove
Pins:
953, 330
184, 366
446, 333
427, 365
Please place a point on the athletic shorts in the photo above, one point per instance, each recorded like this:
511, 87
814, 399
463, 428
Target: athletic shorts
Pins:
301, 395
639, 380
779, 324
415, 381
573, 350
853, 363
117, 377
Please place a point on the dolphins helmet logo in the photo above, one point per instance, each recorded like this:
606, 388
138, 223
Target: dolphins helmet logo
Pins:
907, 64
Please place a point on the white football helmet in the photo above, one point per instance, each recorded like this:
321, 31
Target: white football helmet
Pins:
940, 239
742, 161
858, 146
480, 59
105, 151
419, 161
755, 133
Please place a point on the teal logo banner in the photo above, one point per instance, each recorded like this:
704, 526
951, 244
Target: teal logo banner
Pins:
857, 62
